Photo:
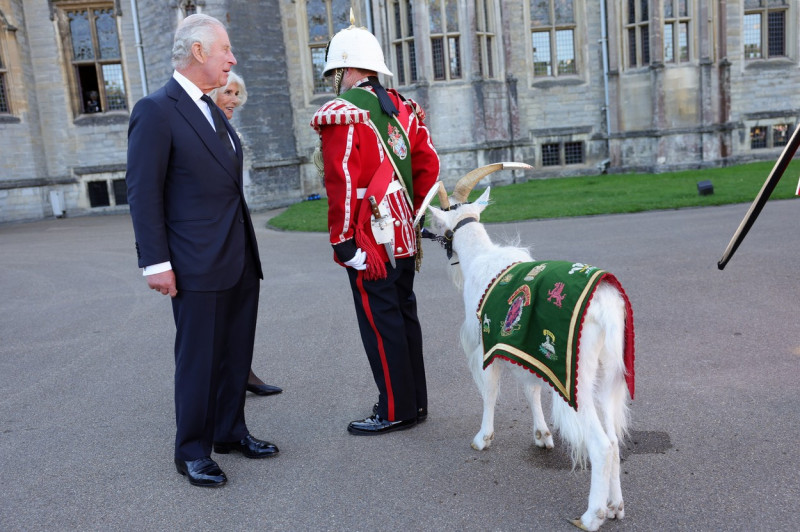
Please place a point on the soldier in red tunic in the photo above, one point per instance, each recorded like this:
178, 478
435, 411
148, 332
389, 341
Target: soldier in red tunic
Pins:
379, 164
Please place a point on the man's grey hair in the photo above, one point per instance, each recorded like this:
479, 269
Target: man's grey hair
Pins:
232, 78
192, 29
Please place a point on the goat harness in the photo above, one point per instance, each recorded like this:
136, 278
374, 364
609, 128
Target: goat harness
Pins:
446, 240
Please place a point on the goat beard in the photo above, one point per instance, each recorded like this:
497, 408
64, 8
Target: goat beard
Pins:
456, 275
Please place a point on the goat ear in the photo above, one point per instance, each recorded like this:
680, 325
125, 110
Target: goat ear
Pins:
483, 200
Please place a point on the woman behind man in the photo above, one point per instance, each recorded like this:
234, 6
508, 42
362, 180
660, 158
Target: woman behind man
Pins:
228, 98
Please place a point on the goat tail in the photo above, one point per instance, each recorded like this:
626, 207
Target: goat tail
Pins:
613, 389
602, 387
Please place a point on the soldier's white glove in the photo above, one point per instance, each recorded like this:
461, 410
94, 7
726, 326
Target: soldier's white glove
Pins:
359, 261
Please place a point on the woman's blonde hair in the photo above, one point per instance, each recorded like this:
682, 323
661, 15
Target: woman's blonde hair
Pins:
232, 78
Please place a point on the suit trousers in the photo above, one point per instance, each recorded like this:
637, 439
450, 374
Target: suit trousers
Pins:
390, 331
215, 334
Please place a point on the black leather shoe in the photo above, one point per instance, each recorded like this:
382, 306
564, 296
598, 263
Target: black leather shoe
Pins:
375, 424
422, 412
202, 472
249, 446
263, 389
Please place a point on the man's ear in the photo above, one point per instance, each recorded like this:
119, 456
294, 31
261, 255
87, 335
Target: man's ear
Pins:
197, 52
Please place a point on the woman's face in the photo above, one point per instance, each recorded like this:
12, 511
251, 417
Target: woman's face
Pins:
228, 99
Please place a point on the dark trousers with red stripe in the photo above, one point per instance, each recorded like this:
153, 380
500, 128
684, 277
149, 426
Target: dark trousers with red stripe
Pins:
392, 337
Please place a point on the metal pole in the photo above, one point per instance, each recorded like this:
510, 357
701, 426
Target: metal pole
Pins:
139, 47
762, 197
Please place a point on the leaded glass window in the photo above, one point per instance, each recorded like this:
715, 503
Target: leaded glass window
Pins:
445, 39
563, 153
4, 106
764, 28
676, 31
770, 136
553, 37
637, 29
96, 58
485, 31
404, 52
325, 18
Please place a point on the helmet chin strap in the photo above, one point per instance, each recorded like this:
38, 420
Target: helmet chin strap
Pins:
337, 80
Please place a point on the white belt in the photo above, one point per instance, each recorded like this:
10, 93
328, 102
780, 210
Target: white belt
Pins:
394, 186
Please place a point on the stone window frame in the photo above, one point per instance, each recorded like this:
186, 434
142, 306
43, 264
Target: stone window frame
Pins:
6, 82
445, 40
677, 23
5, 100
559, 151
317, 49
486, 34
189, 7
636, 25
108, 182
556, 27
779, 130
60, 10
402, 42
761, 14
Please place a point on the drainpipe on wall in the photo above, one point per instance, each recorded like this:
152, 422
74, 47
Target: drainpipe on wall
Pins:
139, 48
604, 49
370, 25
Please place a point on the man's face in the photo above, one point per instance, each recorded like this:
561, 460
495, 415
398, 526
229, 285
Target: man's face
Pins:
218, 61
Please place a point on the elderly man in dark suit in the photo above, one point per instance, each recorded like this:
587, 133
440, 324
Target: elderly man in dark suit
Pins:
196, 243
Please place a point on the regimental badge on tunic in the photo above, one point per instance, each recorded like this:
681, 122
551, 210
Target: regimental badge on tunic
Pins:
397, 143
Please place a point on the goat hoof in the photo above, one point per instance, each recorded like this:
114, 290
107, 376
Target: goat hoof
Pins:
594, 520
480, 443
616, 511
578, 523
543, 440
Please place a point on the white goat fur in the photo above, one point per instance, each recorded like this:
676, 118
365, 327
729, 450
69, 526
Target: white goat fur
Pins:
601, 421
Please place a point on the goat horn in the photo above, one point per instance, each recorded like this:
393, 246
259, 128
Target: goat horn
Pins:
444, 201
468, 182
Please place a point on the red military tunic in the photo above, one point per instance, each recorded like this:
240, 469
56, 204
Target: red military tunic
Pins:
352, 154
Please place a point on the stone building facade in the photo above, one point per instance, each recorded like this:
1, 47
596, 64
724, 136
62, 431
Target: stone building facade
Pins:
572, 87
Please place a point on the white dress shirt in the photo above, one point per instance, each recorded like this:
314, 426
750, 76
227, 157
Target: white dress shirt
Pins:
195, 94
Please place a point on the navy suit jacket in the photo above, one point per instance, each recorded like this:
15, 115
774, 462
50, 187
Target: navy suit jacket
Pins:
185, 193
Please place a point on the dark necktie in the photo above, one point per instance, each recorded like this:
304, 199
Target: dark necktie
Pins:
219, 125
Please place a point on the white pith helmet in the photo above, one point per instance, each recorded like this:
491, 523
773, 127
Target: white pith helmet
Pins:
354, 48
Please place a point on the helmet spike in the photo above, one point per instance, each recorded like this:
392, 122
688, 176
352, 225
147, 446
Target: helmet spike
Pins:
352, 18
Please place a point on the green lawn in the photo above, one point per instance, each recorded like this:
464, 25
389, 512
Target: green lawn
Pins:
603, 194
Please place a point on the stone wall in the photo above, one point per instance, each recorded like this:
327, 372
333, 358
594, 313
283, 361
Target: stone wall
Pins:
660, 117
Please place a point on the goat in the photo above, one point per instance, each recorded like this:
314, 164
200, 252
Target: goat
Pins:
605, 373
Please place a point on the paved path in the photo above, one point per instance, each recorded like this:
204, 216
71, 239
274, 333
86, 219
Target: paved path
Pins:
86, 413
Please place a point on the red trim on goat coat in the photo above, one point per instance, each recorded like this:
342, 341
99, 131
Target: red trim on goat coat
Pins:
629, 354
628, 337
381, 350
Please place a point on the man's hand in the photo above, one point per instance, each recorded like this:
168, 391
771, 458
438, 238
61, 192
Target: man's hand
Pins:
163, 282
359, 262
